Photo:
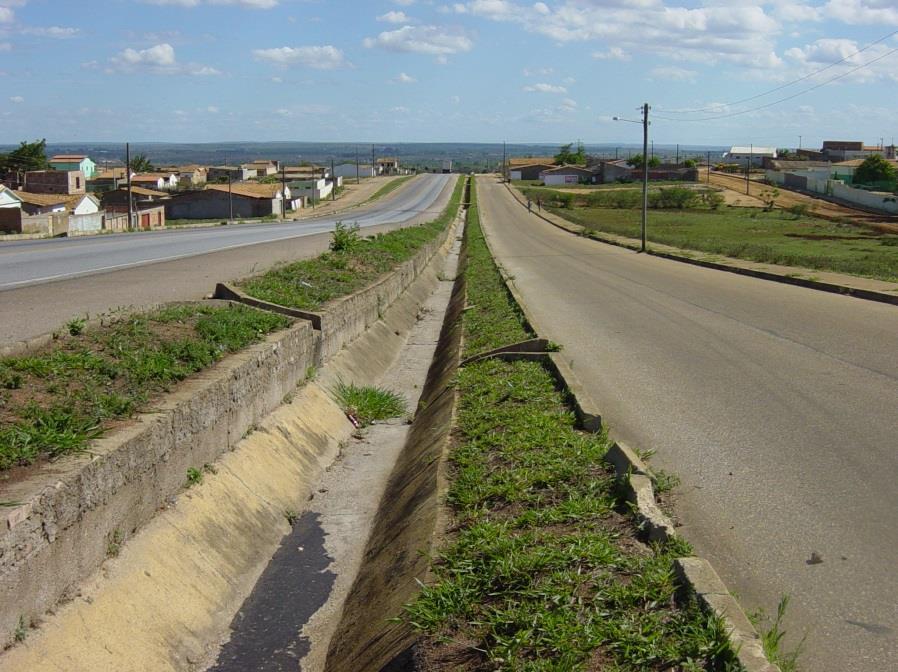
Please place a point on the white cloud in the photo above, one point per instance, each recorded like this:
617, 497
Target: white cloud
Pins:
395, 17
404, 3
324, 57
403, 78
251, 4
159, 59
7, 15
212, 109
431, 40
455, 100
51, 31
5, 46
612, 54
18, 100
827, 51
862, 11
797, 13
533, 72
674, 73
544, 88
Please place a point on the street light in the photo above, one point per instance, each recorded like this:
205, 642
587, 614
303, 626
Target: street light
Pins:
645, 165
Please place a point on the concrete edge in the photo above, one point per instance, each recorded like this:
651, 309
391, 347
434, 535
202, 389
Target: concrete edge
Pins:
694, 574
819, 285
228, 292
530, 346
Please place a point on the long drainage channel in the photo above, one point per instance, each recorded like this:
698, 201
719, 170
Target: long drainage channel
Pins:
291, 616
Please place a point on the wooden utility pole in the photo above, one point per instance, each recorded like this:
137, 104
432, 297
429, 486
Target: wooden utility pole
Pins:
283, 192
645, 171
334, 180
128, 176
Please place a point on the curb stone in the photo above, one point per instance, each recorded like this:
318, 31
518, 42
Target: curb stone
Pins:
694, 574
819, 285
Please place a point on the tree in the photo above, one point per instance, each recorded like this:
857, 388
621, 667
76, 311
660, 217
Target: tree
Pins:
568, 156
141, 164
636, 161
690, 163
875, 169
27, 156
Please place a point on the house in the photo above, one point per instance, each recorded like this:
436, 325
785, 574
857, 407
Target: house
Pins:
310, 172
140, 195
218, 201
388, 165
155, 180
107, 180
754, 155
9, 198
10, 211
568, 175
74, 162
529, 171
85, 215
55, 182
349, 170
263, 168
221, 174
43, 204
847, 150
315, 189
188, 176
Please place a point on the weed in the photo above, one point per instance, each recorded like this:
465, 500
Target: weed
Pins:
76, 326
21, 632
772, 638
291, 517
210, 469
194, 476
288, 398
311, 372
664, 481
552, 346
345, 238
114, 546
249, 430
369, 404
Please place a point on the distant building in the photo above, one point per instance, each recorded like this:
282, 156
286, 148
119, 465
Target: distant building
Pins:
55, 182
107, 180
263, 168
155, 180
306, 172
42, 204
74, 162
755, 155
220, 174
568, 175
249, 200
529, 172
388, 165
315, 189
348, 170
847, 150
140, 195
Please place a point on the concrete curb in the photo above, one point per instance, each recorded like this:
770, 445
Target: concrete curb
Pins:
819, 285
695, 575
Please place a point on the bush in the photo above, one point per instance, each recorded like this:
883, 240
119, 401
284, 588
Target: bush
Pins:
800, 210
678, 198
712, 199
345, 238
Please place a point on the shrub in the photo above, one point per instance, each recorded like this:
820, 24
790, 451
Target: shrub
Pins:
345, 238
677, 198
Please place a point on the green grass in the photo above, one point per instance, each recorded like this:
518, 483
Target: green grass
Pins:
389, 187
543, 571
55, 401
369, 404
774, 237
309, 284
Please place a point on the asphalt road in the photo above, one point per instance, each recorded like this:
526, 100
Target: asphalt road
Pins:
777, 407
43, 283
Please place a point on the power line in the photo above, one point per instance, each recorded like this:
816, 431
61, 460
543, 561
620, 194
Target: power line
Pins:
786, 85
787, 98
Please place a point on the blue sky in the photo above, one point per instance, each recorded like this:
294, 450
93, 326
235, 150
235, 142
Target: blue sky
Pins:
427, 70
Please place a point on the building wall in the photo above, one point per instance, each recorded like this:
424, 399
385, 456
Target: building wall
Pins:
348, 170
82, 224
213, 204
56, 182
86, 207
7, 200
87, 166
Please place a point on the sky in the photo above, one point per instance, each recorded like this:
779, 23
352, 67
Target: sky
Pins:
435, 71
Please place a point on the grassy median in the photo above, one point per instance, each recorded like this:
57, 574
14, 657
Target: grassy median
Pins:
349, 266
543, 569
776, 237
57, 399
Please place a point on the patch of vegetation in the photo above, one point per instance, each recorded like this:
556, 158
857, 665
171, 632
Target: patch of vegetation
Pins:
310, 283
389, 187
772, 635
777, 237
369, 404
194, 476
543, 571
114, 546
59, 398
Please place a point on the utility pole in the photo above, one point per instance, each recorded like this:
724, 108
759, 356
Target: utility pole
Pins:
230, 200
799, 142
128, 175
504, 160
645, 171
678, 153
357, 176
334, 181
709, 167
283, 192
751, 157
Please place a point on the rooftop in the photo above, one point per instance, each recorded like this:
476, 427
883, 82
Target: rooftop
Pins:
248, 189
61, 158
42, 200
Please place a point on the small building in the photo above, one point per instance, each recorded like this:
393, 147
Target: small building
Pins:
216, 201
9, 198
221, 174
43, 204
316, 189
529, 171
388, 165
10, 211
74, 162
107, 180
155, 180
754, 155
567, 175
55, 182
348, 170
263, 168
140, 195
188, 176
310, 172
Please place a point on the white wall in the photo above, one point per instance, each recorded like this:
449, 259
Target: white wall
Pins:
8, 200
549, 180
87, 206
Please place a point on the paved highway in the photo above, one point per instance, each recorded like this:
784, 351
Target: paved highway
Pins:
43, 283
775, 405
29, 262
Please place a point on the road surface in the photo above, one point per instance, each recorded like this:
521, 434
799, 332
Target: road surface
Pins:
775, 405
43, 283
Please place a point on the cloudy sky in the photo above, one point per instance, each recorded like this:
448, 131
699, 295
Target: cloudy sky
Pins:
428, 70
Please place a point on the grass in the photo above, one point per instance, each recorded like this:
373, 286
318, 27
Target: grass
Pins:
309, 284
389, 187
772, 639
55, 401
776, 237
543, 571
369, 404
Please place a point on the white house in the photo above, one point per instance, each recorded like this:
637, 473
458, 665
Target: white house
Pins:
88, 204
8, 198
745, 154
314, 189
348, 170
156, 180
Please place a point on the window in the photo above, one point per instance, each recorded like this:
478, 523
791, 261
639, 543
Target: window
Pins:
77, 183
